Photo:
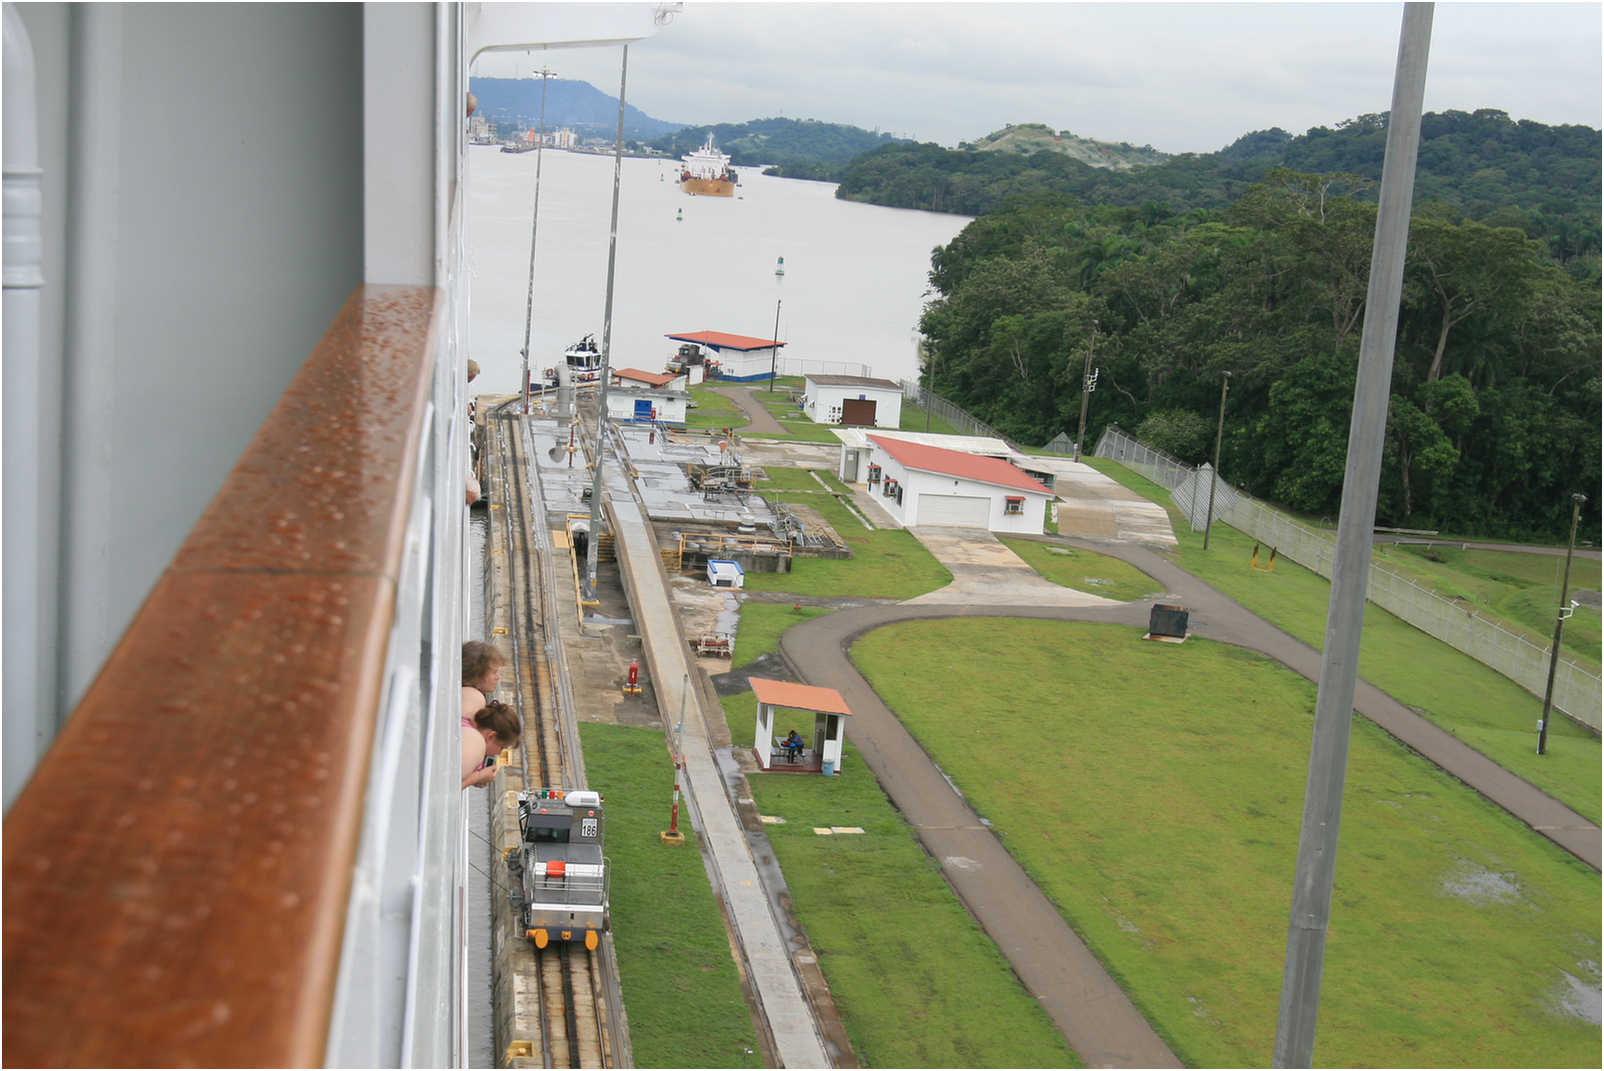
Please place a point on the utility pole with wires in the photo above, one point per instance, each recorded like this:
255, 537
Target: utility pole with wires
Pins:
1088, 384
534, 224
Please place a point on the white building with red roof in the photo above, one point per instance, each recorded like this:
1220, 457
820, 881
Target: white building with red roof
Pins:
921, 484
640, 379
739, 357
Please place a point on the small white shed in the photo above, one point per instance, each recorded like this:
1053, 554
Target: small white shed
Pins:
852, 400
821, 748
723, 573
647, 406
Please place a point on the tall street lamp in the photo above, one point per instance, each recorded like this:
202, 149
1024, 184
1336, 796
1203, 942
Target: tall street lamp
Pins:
1559, 626
1214, 476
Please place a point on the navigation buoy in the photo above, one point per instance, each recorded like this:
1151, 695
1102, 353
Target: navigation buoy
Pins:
779, 269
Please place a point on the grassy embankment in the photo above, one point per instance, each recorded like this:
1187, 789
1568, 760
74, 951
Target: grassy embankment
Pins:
1164, 818
713, 409
1522, 590
680, 985
1483, 708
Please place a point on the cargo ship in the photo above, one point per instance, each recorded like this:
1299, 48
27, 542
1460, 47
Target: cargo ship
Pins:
707, 172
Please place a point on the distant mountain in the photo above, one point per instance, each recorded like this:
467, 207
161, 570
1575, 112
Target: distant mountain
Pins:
1481, 165
579, 106
792, 148
1027, 138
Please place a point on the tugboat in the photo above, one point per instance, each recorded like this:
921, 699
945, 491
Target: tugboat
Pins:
707, 172
584, 362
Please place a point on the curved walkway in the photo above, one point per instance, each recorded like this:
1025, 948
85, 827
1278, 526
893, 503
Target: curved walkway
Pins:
759, 420
1085, 1003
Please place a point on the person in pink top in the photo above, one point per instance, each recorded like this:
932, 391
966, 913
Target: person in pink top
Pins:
492, 729
481, 673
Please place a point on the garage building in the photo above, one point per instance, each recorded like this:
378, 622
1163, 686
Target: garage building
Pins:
857, 401
919, 484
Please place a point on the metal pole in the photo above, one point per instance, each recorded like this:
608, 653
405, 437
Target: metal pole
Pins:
774, 359
1214, 473
679, 755
1085, 391
1559, 627
930, 381
1339, 662
534, 224
607, 340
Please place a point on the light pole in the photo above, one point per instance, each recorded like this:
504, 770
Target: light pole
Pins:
1559, 627
1088, 384
1214, 474
774, 357
930, 380
534, 223
607, 340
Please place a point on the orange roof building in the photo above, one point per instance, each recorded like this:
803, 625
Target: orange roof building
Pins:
821, 749
738, 357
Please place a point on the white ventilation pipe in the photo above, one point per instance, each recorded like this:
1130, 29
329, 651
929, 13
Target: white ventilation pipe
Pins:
28, 722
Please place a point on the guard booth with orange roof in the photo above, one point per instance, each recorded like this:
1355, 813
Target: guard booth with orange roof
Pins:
822, 748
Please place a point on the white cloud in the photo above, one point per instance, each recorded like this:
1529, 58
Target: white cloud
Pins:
1181, 77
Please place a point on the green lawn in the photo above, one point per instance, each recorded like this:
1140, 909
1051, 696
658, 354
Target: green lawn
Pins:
1085, 570
760, 628
713, 410
913, 419
788, 479
916, 982
681, 987
1163, 821
885, 564
1485, 709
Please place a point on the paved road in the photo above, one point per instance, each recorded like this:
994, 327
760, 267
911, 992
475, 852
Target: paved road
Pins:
1084, 1002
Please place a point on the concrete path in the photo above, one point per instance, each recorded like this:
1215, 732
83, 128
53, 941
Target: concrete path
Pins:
984, 570
759, 420
1092, 506
767, 954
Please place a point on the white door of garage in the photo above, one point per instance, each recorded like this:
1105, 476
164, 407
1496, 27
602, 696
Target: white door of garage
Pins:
965, 511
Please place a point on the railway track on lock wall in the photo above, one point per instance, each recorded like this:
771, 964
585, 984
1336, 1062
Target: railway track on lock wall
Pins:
574, 1026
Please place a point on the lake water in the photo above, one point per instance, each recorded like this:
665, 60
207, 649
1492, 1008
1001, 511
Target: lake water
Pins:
854, 284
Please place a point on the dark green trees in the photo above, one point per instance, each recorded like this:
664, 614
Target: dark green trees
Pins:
1495, 416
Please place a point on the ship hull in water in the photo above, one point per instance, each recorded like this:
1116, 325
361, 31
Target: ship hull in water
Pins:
708, 187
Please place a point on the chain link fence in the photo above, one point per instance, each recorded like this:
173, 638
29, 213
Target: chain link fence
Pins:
1454, 622
966, 424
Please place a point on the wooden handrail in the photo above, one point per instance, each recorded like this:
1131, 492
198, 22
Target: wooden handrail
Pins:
176, 873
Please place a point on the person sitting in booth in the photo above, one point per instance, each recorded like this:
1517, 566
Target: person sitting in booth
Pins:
793, 746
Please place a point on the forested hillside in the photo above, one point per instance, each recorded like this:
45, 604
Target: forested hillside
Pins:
1542, 179
1495, 415
797, 148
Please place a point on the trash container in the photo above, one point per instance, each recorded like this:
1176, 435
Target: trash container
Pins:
829, 768
1166, 620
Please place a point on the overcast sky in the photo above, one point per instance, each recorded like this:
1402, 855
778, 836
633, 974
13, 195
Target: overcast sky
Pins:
1179, 77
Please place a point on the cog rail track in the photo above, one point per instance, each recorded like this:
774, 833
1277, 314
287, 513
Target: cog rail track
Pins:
573, 983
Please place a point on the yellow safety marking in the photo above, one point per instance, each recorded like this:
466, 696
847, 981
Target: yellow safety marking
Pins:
568, 935
541, 938
591, 940
520, 1050
499, 630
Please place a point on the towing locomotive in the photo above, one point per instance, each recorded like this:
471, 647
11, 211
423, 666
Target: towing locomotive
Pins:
559, 866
